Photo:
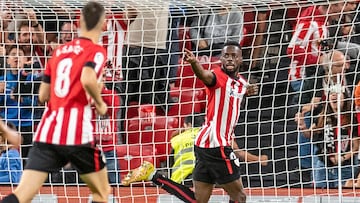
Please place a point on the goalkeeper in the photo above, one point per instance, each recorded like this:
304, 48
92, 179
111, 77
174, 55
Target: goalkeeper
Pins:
184, 162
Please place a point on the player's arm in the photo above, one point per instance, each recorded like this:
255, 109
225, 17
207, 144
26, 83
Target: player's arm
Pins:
89, 82
206, 76
44, 90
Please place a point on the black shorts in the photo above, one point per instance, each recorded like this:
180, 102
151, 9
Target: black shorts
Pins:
216, 165
51, 158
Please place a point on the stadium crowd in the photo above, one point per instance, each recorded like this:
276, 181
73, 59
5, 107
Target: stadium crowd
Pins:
150, 89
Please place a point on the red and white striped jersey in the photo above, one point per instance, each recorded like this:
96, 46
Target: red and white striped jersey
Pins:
106, 126
67, 117
304, 47
224, 100
112, 39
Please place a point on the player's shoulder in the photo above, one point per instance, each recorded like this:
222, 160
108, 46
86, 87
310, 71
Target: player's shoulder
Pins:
217, 70
241, 79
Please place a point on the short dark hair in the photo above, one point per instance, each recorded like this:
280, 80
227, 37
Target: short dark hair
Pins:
22, 24
92, 13
194, 120
232, 43
14, 46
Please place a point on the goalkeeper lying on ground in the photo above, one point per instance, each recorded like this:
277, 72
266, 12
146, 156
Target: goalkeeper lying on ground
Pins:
184, 162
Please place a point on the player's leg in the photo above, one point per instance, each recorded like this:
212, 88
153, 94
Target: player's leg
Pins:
203, 191
30, 183
180, 191
98, 184
89, 162
235, 190
42, 160
203, 179
147, 172
226, 172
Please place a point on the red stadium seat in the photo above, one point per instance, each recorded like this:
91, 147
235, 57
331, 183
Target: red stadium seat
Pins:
132, 110
186, 75
155, 132
131, 156
189, 101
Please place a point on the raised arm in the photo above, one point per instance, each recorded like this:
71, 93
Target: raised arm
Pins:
206, 76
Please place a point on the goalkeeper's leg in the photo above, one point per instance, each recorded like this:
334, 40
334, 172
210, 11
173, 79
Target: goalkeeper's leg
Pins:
180, 191
147, 172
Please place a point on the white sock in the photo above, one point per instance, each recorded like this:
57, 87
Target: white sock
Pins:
150, 177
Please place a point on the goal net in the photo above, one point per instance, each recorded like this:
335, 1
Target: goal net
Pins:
302, 55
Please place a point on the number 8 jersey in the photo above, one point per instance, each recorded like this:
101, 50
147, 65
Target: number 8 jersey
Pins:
67, 117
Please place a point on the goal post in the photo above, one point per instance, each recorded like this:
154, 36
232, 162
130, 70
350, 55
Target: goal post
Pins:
152, 89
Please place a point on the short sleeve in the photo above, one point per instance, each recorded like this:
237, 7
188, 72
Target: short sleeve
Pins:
220, 78
96, 60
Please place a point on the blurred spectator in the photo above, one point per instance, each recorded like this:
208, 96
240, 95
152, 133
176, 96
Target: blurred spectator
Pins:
172, 44
334, 63
255, 25
304, 47
323, 133
210, 30
68, 31
17, 97
31, 36
6, 18
106, 133
145, 59
113, 36
10, 161
345, 37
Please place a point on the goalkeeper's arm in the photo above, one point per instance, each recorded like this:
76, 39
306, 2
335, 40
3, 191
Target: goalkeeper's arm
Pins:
247, 156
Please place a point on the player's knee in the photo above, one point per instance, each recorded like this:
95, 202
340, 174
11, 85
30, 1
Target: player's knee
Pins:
103, 193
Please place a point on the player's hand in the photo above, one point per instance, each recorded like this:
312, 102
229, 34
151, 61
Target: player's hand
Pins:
189, 56
252, 89
264, 160
299, 119
202, 44
101, 108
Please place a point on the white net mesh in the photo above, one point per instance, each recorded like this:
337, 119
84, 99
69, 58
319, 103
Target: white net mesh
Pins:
152, 89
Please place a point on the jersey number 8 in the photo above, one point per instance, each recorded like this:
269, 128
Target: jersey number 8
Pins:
62, 81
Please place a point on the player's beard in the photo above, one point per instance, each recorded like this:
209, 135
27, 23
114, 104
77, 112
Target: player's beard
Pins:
231, 73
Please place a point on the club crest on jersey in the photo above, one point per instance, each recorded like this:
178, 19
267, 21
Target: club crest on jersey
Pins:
235, 94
